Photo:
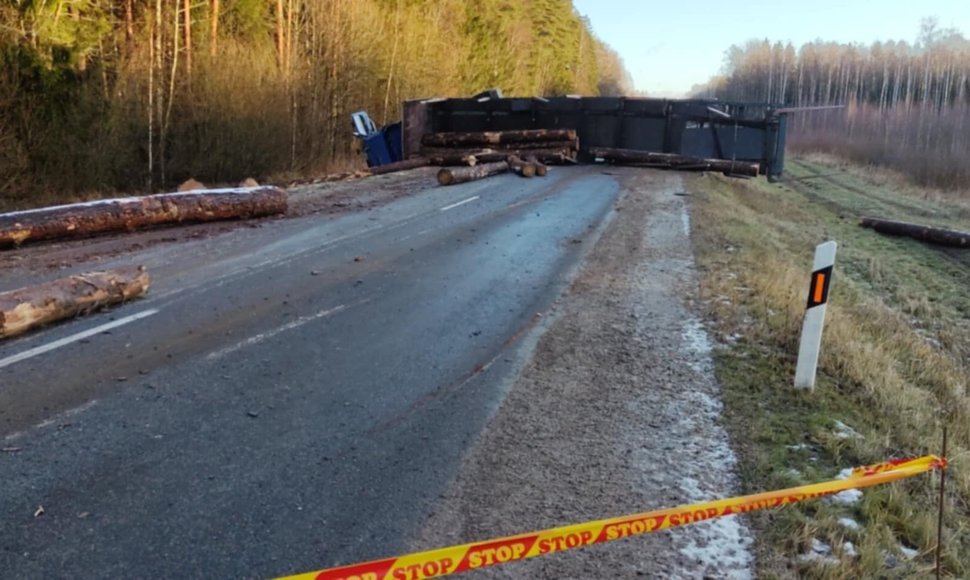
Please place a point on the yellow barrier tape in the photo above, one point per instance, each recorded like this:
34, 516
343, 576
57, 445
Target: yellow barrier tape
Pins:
455, 559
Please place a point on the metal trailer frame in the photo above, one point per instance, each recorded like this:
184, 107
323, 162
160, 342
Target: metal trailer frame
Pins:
708, 129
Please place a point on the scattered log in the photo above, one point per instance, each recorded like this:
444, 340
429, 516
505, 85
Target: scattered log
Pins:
541, 168
400, 166
27, 308
449, 158
453, 175
131, 213
938, 236
497, 137
674, 161
520, 167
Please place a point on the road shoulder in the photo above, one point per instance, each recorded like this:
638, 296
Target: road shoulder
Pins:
617, 412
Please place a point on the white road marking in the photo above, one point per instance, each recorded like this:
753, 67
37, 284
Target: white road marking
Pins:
288, 326
462, 202
45, 348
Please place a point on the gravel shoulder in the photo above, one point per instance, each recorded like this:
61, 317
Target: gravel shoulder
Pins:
616, 412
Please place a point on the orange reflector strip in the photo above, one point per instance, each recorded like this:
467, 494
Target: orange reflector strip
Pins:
819, 288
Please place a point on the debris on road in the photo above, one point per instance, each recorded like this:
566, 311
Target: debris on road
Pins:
453, 175
27, 308
131, 213
400, 166
39, 511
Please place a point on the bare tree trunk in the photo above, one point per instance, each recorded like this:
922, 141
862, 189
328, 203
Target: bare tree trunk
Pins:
129, 22
27, 308
187, 14
280, 34
213, 27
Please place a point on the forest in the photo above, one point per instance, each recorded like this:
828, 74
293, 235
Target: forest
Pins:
906, 106
101, 96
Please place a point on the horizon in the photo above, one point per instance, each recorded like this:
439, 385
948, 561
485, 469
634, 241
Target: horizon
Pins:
655, 57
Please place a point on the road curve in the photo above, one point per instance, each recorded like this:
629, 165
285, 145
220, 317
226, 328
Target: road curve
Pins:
288, 397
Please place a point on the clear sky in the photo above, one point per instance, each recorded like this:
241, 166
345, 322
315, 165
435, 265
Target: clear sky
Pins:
670, 46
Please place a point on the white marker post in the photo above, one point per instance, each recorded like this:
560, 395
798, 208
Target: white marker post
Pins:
818, 297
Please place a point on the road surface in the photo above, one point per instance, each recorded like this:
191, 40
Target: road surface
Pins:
287, 397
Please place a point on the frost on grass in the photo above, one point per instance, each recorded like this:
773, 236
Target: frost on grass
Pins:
820, 552
843, 431
849, 524
847, 497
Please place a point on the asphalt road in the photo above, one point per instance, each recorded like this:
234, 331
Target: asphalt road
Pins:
288, 397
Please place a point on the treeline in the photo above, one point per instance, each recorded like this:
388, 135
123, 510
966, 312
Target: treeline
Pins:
907, 106
104, 95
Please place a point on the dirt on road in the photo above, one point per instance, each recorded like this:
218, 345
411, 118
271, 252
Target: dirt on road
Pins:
617, 412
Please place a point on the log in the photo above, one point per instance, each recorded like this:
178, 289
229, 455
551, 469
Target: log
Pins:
453, 175
541, 168
938, 236
512, 148
674, 161
520, 167
131, 213
400, 166
474, 156
27, 308
497, 137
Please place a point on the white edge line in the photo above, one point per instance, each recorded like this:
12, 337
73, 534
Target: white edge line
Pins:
74, 338
256, 339
462, 202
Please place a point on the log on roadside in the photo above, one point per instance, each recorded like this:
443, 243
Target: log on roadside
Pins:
521, 167
541, 168
497, 137
938, 236
131, 213
34, 306
399, 166
453, 175
674, 161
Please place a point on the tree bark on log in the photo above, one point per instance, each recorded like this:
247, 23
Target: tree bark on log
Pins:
27, 308
400, 166
475, 156
541, 168
453, 175
497, 137
128, 214
520, 167
938, 236
674, 161
512, 148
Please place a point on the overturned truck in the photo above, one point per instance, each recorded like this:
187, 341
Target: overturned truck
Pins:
744, 139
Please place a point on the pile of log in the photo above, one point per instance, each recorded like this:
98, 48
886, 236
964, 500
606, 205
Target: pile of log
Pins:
546, 145
27, 308
674, 161
525, 153
131, 213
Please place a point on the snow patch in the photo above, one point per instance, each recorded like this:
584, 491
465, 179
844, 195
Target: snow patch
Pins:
711, 545
847, 497
844, 474
820, 552
843, 431
849, 524
685, 221
908, 553
849, 550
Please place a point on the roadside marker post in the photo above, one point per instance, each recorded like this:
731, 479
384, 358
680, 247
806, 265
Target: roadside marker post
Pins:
818, 296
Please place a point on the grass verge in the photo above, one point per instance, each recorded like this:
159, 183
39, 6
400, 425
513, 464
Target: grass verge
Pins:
893, 368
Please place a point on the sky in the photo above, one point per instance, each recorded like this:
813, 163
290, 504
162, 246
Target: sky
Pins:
670, 46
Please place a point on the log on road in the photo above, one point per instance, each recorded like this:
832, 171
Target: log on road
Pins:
27, 308
497, 137
938, 236
541, 168
453, 175
399, 166
521, 167
674, 161
130, 213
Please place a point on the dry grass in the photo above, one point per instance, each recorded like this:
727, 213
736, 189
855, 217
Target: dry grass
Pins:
893, 367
